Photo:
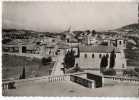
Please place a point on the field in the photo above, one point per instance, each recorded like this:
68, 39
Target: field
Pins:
12, 67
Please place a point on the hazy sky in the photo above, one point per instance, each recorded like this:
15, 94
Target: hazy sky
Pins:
58, 16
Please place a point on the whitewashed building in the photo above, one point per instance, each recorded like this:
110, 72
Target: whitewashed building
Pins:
90, 56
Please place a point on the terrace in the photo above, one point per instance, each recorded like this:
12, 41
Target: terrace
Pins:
65, 85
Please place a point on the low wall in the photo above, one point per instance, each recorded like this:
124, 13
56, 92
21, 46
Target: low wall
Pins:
5, 84
96, 78
122, 79
25, 55
82, 81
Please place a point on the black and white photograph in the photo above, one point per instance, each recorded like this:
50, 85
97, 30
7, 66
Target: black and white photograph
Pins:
70, 49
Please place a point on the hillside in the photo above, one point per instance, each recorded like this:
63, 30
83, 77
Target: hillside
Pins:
132, 51
131, 26
130, 29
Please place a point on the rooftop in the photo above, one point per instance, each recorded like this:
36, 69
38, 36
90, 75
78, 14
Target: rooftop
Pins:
98, 49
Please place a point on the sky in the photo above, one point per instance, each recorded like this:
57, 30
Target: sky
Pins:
59, 16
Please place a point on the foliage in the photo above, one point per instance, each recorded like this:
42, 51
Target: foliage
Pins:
78, 55
77, 68
103, 63
46, 61
109, 72
93, 32
130, 72
112, 59
69, 59
23, 75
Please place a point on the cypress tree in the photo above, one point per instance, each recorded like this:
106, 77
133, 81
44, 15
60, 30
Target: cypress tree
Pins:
78, 55
23, 76
112, 59
69, 59
103, 63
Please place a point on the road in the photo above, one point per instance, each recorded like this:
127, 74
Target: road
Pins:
58, 65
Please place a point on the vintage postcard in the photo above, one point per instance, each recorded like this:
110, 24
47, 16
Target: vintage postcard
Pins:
70, 49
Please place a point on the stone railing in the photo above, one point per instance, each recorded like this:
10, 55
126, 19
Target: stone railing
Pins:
122, 79
11, 83
83, 81
65, 77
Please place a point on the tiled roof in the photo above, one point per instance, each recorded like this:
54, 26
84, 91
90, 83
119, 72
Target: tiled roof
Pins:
15, 42
62, 45
98, 49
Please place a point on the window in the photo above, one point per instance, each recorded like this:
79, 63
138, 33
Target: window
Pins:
100, 55
120, 42
53, 40
92, 55
123, 66
85, 55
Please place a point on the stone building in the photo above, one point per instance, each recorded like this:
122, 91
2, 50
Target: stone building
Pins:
90, 56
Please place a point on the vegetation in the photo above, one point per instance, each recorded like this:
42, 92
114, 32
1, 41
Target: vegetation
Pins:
93, 32
132, 57
78, 55
103, 63
46, 61
77, 68
109, 72
69, 59
131, 72
112, 60
23, 75
12, 67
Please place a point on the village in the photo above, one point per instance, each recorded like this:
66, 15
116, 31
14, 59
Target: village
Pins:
92, 53
92, 47
71, 63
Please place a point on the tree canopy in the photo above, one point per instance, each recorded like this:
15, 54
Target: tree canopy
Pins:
112, 59
104, 62
69, 59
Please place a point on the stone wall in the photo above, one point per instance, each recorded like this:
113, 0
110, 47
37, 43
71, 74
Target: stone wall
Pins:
82, 81
96, 78
89, 62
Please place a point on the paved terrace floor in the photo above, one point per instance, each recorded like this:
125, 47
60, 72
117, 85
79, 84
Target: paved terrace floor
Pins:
67, 88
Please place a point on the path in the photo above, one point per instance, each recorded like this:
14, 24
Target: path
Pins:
58, 65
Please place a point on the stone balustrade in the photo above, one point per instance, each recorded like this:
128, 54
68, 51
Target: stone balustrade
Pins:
88, 80
122, 79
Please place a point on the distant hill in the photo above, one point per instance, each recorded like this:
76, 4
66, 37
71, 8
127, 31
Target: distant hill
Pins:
129, 28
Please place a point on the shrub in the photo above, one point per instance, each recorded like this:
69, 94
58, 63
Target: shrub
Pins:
109, 72
46, 61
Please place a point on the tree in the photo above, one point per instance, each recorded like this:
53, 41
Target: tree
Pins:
109, 72
112, 59
93, 32
46, 61
23, 76
69, 59
88, 31
78, 55
103, 63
